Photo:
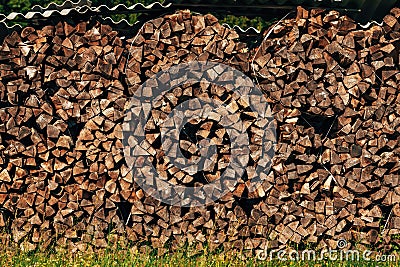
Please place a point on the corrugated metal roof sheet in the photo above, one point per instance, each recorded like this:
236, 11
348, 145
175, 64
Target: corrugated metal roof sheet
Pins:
247, 31
267, 9
65, 5
361, 10
6, 30
331, 3
82, 7
348, 4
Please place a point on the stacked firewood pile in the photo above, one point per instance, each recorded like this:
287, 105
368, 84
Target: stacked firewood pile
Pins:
332, 86
62, 99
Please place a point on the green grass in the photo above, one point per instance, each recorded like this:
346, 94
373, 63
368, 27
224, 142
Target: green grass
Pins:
131, 257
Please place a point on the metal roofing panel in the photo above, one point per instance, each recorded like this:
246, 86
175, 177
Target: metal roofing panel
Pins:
65, 5
263, 8
247, 31
69, 8
361, 10
6, 30
83, 8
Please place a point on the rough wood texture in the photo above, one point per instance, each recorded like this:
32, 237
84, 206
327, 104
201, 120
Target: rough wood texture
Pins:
333, 88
